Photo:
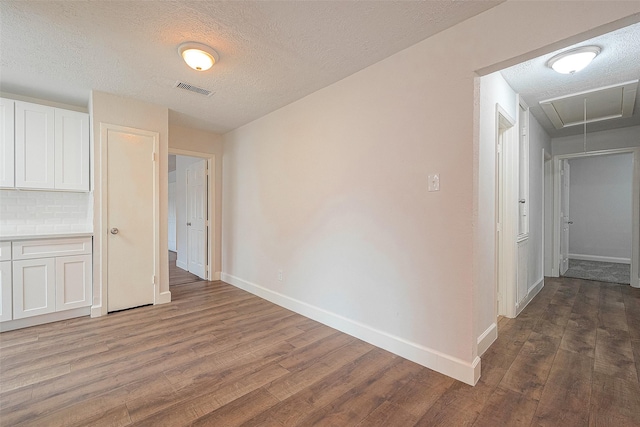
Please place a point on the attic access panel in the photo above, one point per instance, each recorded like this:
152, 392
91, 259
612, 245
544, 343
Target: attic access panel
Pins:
605, 103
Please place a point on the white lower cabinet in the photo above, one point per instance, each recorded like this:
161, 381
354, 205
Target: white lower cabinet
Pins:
34, 288
6, 312
73, 282
50, 278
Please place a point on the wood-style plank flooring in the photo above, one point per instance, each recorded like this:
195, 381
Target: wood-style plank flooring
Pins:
220, 356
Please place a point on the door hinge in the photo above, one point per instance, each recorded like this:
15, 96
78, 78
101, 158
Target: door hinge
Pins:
154, 280
153, 157
499, 148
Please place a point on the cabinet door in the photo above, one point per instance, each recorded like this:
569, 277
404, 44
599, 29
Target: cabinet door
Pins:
71, 150
6, 143
33, 287
73, 282
34, 146
5, 291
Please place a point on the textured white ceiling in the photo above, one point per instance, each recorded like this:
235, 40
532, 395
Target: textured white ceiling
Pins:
618, 62
271, 53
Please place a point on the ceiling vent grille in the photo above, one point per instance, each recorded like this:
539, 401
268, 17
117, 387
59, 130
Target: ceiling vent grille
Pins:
192, 88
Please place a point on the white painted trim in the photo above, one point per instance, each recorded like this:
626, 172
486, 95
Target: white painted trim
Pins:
487, 338
635, 216
182, 265
96, 310
507, 187
163, 297
216, 275
211, 206
531, 294
467, 372
600, 258
26, 322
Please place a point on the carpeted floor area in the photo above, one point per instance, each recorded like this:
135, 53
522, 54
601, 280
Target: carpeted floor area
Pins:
610, 272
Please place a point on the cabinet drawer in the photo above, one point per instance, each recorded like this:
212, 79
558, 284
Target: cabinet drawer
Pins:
51, 248
5, 251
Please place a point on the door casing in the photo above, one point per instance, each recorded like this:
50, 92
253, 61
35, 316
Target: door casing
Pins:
212, 274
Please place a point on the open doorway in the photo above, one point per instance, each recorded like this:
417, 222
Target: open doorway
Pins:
190, 203
597, 221
520, 267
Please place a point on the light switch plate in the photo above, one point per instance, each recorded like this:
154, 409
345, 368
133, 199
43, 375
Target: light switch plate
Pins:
434, 182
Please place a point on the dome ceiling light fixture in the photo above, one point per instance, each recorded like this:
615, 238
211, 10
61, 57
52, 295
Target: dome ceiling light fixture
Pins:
198, 56
574, 60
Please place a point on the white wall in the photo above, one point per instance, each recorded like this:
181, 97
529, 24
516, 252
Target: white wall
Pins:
538, 140
605, 140
332, 188
182, 162
112, 109
600, 208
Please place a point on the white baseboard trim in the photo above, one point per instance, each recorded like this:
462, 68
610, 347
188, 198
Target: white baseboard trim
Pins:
182, 265
467, 372
96, 311
10, 325
487, 338
164, 298
600, 258
533, 291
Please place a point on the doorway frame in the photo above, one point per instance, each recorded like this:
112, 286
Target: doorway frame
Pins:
635, 201
102, 214
506, 230
211, 275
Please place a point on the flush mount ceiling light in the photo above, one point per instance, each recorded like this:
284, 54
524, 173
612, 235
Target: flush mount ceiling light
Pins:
198, 56
573, 60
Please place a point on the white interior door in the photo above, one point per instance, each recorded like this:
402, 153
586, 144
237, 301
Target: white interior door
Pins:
564, 216
130, 216
172, 216
197, 218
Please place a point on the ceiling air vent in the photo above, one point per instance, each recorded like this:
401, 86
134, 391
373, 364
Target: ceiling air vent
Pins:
192, 88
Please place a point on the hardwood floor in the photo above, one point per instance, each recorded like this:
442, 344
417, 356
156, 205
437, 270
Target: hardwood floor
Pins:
219, 356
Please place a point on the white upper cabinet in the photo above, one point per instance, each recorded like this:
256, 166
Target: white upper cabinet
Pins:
43, 147
72, 150
34, 146
6, 143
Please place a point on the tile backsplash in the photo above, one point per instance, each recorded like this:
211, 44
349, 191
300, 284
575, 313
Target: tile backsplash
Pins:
24, 213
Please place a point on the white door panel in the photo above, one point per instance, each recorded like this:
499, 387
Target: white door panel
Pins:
73, 282
197, 218
34, 149
71, 150
172, 217
564, 216
7, 177
6, 300
130, 215
33, 287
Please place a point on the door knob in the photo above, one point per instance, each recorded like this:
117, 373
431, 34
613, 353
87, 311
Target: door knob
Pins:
569, 222
189, 224
114, 230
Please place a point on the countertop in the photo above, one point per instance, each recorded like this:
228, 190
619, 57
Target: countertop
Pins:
45, 236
